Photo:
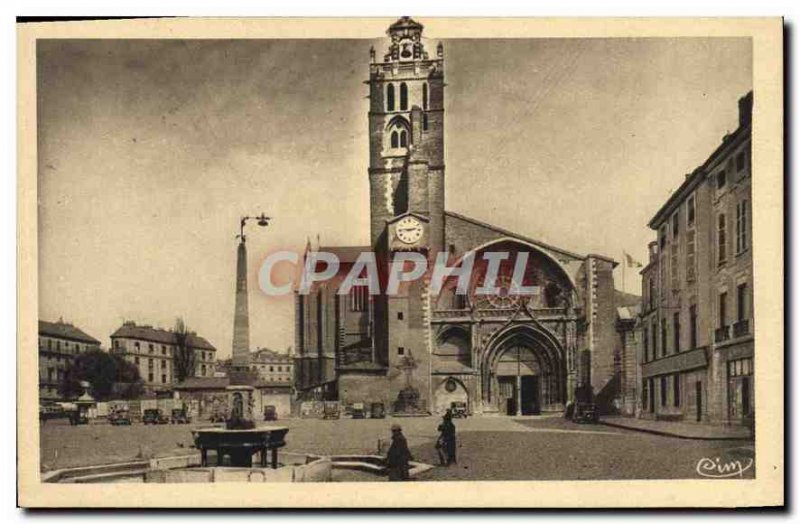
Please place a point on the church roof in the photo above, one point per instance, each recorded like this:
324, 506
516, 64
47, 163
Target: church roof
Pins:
346, 254
522, 237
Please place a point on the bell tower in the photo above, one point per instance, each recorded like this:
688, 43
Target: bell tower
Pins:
406, 136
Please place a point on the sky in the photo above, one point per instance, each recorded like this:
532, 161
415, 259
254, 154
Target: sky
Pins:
150, 151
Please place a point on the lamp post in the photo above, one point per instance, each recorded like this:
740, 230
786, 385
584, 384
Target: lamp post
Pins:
262, 219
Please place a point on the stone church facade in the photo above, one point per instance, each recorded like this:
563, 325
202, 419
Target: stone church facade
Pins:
419, 350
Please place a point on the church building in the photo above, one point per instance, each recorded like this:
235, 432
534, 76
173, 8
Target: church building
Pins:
419, 351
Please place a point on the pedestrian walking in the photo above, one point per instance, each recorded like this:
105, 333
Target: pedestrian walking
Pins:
398, 457
446, 443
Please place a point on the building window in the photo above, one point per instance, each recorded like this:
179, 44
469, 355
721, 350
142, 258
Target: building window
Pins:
741, 302
203, 369
721, 179
740, 161
646, 344
692, 326
723, 306
654, 336
721, 240
674, 266
663, 391
401, 351
662, 237
652, 292
663, 338
399, 315
425, 96
150, 377
136, 346
675, 225
403, 97
163, 364
394, 141
58, 345
690, 211
390, 97
150, 348
136, 360
163, 379
425, 121
359, 297
403, 138
676, 332
741, 226
676, 390
163, 350
150, 363
49, 345
272, 368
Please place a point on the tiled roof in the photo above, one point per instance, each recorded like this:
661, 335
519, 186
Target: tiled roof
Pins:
65, 330
162, 336
268, 355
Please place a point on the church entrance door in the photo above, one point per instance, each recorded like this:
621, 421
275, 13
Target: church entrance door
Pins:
529, 395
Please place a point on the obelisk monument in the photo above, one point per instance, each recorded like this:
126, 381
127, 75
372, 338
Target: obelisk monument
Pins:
241, 318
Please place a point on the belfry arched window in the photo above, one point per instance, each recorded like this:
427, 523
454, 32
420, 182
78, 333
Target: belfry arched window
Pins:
403, 138
425, 96
390, 97
394, 140
403, 97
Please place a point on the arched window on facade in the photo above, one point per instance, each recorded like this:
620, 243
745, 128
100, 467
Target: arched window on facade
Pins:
390, 97
394, 139
403, 97
403, 138
425, 96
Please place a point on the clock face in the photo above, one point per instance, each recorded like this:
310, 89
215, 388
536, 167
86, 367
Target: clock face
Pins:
409, 230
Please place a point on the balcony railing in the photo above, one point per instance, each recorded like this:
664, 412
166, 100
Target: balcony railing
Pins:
722, 334
741, 328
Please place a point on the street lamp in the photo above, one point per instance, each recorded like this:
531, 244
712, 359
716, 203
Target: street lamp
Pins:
262, 220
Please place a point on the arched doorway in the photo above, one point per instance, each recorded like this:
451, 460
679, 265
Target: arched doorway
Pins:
519, 382
523, 372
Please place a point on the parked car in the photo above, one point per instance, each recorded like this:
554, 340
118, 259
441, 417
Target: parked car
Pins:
585, 413
270, 413
120, 417
180, 416
458, 409
358, 410
378, 410
154, 416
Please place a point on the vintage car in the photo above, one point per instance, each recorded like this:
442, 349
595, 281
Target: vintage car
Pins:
180, 416
120, 417
331, 410
585, 413
459, 409
358, 410
377, 410
154, 416
270, 413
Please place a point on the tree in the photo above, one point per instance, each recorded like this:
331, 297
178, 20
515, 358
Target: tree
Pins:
185, 361
108, 375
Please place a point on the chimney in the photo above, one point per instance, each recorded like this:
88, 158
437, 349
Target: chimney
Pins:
746, 109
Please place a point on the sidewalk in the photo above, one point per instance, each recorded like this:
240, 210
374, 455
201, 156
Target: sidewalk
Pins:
679, 429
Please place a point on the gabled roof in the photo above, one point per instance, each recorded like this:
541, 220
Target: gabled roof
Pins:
529, 240
65, 330
161, 336
346, 254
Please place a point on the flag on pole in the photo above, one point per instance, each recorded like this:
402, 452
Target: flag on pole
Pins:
630, 261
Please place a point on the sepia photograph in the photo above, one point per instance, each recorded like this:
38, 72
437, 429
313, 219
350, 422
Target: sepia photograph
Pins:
421, 251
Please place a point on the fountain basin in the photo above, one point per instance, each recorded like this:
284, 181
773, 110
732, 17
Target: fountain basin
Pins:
240, 444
